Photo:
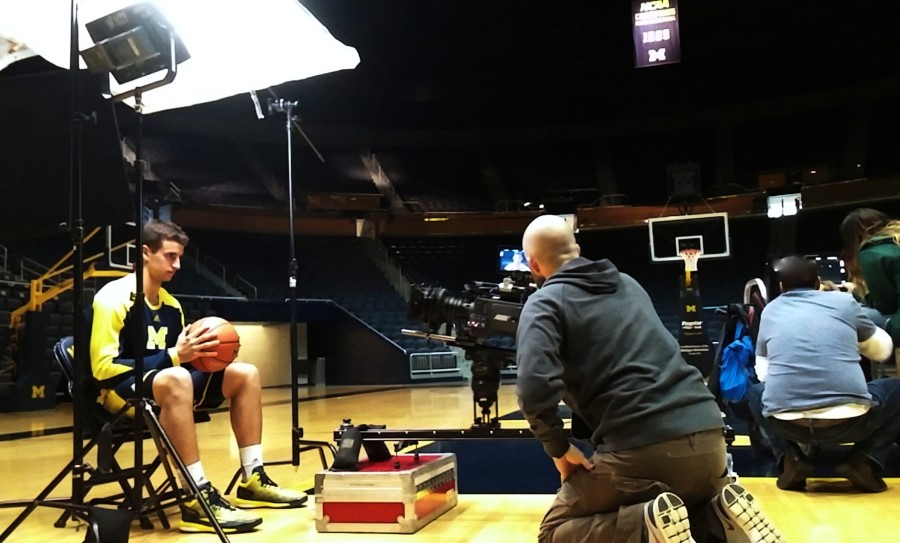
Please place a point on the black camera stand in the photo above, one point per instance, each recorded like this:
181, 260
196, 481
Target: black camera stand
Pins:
487, 362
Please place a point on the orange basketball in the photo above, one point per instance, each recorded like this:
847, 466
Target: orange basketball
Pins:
226, 351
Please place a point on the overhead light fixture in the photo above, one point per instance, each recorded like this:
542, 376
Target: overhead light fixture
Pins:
784, 205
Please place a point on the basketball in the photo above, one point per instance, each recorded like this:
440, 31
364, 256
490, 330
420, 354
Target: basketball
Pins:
226, 350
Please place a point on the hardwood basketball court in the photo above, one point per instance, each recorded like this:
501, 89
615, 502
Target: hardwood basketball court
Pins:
34, 446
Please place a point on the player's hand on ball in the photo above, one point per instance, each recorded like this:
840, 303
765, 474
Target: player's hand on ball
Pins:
195, 342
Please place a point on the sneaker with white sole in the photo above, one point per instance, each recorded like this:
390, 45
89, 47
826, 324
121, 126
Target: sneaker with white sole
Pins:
666, 520
260, 491
231, 520
740, 515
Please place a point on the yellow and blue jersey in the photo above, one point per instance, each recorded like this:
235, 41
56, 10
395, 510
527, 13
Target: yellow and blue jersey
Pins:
112, 332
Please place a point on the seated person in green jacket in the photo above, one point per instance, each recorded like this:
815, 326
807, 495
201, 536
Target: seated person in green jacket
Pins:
872, 255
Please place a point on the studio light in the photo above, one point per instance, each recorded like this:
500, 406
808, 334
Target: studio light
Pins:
235, 47
132, 44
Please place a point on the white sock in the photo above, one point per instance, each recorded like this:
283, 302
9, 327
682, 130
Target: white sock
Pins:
251, 458
197, 474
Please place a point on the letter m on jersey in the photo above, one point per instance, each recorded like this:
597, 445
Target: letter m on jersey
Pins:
156, 339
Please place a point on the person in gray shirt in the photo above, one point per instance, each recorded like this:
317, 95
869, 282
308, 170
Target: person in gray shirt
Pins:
813, 390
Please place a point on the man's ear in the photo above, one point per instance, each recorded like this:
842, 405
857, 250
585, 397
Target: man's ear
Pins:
534, 266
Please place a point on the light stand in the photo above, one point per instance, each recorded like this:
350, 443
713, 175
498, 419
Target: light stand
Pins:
287, 107
75, 225
298, 444
97, 59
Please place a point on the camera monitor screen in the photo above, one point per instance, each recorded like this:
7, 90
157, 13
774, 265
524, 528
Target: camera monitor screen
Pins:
512, 260
831, 268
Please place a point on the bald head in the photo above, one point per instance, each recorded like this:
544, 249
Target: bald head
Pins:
549, 243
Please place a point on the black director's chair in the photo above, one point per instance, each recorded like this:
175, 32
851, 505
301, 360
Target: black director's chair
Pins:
107, 433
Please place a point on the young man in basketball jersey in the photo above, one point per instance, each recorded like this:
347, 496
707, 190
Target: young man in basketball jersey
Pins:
178, 388
589, 336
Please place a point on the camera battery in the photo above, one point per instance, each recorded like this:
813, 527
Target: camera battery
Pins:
400, 495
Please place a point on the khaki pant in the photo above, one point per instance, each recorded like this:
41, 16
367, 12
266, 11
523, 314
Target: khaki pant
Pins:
607, 503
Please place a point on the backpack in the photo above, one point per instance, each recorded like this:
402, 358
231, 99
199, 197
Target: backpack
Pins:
733, 367
740, 328
736, 373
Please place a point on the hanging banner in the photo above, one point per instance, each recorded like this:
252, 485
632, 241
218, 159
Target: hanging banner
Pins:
656, 39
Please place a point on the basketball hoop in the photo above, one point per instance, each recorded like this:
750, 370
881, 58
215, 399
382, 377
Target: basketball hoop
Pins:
690, 257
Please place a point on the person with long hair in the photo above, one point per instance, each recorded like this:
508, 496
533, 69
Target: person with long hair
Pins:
872, 256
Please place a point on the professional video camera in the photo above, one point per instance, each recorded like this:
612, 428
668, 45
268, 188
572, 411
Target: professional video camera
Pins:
480, 320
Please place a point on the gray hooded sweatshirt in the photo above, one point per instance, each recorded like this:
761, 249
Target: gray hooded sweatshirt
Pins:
590, 337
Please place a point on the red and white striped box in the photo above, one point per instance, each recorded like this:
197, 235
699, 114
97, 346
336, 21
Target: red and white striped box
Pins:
383, 498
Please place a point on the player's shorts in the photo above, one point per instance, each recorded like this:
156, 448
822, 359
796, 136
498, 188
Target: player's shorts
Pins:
207, 390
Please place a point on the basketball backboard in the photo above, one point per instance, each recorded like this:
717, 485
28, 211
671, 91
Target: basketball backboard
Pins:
707, 232
120, 246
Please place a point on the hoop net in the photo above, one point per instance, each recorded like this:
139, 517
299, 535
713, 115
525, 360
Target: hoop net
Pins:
690, 257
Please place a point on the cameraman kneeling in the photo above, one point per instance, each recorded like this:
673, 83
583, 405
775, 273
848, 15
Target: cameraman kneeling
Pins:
591, 337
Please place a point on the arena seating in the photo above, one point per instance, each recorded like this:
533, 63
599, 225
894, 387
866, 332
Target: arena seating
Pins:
333, 268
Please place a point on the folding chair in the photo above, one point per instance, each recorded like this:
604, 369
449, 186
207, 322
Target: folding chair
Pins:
108, 433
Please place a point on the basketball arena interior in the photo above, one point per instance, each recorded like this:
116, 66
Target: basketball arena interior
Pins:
418, 166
